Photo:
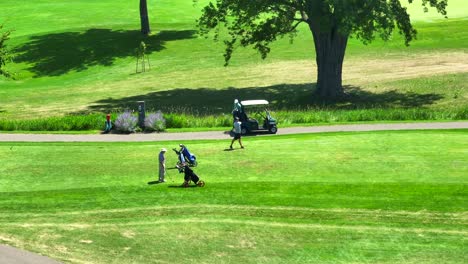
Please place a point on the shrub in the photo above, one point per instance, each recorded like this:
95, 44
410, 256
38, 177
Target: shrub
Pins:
126, 122
155, 122
177, 121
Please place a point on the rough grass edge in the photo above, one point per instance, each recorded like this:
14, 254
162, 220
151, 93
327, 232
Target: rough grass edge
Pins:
96, 121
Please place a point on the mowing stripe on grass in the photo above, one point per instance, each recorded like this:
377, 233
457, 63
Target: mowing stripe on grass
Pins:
236, 222
426, 214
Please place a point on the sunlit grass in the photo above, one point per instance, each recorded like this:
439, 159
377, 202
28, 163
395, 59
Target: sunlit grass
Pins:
339, 197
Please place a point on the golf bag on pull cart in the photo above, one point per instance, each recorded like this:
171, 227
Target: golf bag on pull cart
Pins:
185, 156
189, 175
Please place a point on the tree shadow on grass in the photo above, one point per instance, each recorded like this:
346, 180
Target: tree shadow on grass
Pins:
205, 100
285, 96
357, 97
58, 53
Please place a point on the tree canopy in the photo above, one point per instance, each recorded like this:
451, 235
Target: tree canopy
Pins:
259, 23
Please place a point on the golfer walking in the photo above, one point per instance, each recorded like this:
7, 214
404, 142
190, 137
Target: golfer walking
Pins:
237, 132
162, 165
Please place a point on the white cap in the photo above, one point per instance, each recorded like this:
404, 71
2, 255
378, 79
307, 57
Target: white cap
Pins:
236, 101
163, 150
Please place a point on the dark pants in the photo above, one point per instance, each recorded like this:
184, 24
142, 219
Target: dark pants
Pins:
108, 126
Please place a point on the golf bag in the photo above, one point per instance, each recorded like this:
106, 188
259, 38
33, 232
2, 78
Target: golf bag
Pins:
185, 156
189, 175
239, 114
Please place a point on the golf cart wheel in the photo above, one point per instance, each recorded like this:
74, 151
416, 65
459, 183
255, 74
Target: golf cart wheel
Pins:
200, 183
194, 163
244, 131
273, 130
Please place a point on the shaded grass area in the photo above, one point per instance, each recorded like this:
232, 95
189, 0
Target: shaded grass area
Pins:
283, 96
393, 197
59, 53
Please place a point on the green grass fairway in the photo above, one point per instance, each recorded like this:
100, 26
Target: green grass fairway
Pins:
383, 197
78, 57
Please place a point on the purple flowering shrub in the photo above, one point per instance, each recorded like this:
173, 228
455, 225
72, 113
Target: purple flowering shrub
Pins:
126, 122
155, 122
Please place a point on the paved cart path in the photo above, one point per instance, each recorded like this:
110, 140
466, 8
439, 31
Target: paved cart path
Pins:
16, 256
223, 134
11, 255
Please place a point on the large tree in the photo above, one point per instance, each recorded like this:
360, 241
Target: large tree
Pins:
145, 27
257, 23
4, 54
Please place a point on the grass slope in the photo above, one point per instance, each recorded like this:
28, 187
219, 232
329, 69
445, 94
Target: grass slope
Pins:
78, 56
387, 197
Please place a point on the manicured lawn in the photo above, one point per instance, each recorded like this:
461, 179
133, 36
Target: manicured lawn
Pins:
73, 61
387, 197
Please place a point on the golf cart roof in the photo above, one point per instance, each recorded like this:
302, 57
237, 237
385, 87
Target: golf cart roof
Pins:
254, 102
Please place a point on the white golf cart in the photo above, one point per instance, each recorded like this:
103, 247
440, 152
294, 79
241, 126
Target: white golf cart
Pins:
255, 117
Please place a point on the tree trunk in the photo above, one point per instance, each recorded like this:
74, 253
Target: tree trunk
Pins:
145, 27
330, 49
